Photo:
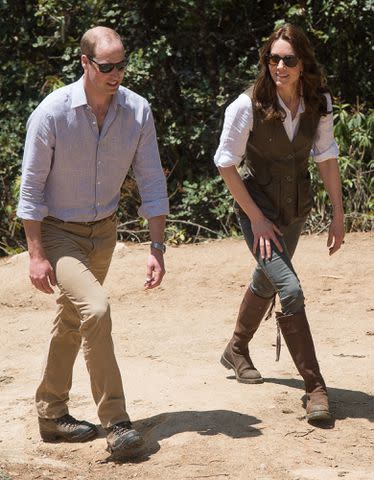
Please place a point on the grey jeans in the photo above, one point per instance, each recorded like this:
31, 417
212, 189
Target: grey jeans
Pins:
277, 274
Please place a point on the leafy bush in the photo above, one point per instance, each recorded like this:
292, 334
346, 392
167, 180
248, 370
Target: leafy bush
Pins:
10, 149
189, 58
205, 209
354, 132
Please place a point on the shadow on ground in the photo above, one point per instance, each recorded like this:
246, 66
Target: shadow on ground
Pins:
206, 423
343, 403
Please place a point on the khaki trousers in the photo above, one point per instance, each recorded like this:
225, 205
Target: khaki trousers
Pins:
80, 254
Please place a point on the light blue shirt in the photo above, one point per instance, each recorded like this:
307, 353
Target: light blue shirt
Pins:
74, 172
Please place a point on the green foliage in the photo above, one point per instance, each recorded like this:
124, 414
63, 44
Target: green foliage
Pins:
10, 146
189, 58
354, 129
206, 207
354, 132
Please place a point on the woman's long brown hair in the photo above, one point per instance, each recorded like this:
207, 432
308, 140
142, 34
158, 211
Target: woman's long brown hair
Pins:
312, 81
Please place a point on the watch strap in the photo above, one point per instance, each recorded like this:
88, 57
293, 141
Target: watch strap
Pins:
159, 246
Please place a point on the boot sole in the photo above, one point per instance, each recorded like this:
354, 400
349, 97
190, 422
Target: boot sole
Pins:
322, 416
230, 366
56, 437
127, 451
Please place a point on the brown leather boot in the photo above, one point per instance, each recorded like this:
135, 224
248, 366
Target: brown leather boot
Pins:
236, 355
297, 335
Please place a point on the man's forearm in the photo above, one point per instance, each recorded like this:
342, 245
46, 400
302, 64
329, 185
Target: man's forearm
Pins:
34, 238
157, 228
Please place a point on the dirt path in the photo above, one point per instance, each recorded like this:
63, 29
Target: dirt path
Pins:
197, 420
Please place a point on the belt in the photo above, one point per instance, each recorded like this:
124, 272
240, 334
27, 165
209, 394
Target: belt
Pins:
89, 224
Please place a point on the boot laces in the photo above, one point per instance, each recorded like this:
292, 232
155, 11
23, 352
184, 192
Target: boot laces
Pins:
122, 427
67, 421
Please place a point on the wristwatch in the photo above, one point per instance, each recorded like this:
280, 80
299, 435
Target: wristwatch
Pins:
159, 246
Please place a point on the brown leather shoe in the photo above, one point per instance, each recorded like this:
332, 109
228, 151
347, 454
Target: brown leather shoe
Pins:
245, 371
124, 441
66, 429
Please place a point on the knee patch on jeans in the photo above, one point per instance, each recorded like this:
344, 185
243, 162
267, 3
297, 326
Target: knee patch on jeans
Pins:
293, 301
263, 293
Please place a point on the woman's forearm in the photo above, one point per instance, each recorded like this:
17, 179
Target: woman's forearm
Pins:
237, 188
330, 175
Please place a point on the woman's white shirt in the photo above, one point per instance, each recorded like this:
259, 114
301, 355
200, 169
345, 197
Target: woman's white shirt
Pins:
239, 123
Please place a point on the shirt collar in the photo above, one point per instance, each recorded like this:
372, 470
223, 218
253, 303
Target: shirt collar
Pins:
120, 97
78, 97
300, 110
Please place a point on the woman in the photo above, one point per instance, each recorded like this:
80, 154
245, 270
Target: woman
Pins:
275, 126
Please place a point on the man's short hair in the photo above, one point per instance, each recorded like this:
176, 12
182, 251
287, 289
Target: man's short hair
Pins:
91, 38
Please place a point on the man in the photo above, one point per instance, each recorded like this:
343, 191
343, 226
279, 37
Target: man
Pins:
81, 141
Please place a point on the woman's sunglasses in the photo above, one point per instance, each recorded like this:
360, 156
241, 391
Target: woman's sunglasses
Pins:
288, 60
108, 67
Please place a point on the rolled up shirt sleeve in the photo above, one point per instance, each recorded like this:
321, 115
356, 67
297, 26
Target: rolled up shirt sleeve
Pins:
149, 175
36, 165
237, 125
325, 146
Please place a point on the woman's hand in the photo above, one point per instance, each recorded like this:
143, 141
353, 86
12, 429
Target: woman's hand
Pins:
265, 232
329, 171
336, 234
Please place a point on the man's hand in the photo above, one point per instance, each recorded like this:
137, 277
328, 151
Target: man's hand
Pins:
41, 272
155, 269
42, 275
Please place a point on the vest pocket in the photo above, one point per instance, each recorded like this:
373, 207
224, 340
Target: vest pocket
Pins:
266, 195
304, 197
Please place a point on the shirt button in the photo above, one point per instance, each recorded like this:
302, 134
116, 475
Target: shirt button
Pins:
288, 178
98, 183
289, 200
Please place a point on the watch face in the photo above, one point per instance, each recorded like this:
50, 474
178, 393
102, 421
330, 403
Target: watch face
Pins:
158, 246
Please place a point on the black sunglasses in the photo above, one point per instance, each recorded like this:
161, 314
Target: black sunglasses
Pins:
108, 67
288, 60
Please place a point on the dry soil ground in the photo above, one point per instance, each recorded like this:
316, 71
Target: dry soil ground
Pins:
197, 420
